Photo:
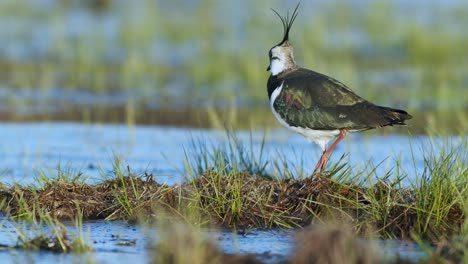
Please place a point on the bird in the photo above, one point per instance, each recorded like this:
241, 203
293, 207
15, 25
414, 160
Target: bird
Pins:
317, 106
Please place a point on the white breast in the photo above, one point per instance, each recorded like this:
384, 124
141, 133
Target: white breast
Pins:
320, 137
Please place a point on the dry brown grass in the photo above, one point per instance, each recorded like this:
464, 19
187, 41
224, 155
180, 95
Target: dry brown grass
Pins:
247, 202
63, 199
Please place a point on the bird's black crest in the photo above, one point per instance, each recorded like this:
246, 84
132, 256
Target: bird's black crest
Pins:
287, 22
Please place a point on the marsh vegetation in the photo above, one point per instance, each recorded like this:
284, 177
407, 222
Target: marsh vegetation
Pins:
236, 192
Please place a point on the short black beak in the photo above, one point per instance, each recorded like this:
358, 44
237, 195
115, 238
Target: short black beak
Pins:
268, 68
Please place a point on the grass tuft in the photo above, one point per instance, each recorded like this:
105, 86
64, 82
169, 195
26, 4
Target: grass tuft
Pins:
230, 157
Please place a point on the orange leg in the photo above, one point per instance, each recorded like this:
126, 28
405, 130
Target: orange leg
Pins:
326, 154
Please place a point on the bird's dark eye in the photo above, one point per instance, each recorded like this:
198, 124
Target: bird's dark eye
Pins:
274, 58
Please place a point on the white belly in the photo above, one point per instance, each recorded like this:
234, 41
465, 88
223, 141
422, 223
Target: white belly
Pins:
320, 137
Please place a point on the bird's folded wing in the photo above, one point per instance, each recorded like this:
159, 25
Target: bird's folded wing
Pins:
317, 101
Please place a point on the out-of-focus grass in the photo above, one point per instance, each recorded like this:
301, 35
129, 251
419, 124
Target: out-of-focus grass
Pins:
213, 55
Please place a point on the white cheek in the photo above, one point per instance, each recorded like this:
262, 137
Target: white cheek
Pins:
276, 67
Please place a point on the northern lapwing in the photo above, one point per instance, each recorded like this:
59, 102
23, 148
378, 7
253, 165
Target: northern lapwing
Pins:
317, 106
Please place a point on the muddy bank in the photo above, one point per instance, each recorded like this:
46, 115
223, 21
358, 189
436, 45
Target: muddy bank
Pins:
242, 201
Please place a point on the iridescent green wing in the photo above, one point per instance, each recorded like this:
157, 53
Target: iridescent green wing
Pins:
312, 100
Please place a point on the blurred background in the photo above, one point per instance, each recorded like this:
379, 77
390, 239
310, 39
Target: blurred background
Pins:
201, 63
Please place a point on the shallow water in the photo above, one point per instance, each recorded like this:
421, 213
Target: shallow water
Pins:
28, 148
108, 240
31, 148
103, 236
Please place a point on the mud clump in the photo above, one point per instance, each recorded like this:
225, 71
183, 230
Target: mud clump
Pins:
66, 200
242, 200
58, 242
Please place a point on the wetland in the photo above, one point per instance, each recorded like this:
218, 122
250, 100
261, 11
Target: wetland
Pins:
132, 134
